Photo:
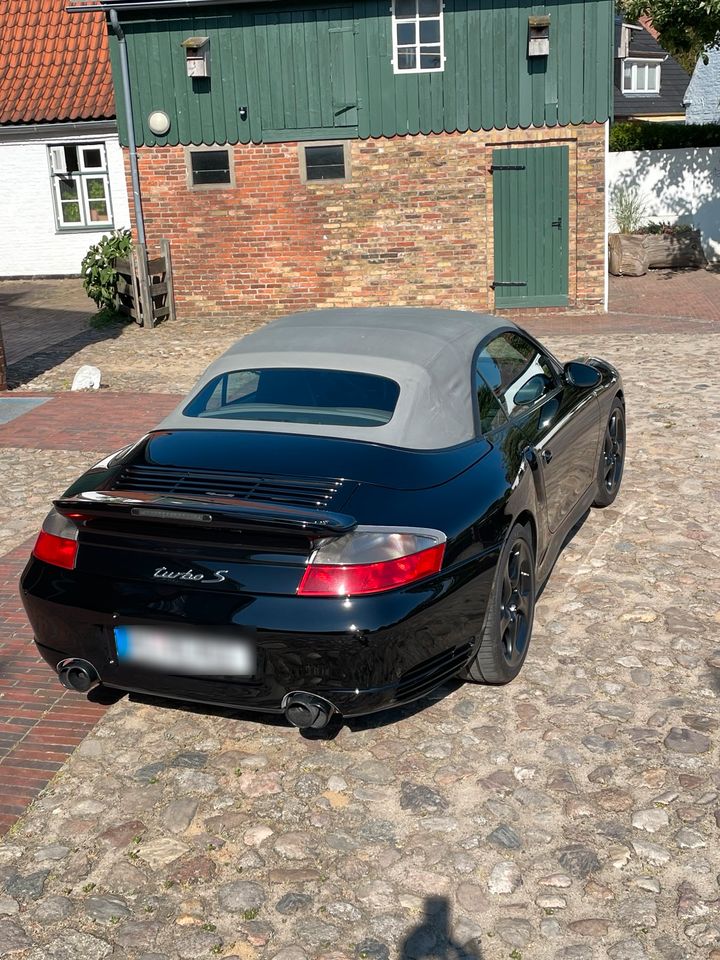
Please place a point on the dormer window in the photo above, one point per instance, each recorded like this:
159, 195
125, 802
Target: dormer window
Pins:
417, 36
641, 76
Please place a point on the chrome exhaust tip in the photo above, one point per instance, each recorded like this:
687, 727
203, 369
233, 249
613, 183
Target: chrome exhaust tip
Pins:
307, 711
79, 675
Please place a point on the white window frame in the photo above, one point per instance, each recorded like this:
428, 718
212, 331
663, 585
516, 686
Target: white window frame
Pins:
85, 172
634, 63
417, 20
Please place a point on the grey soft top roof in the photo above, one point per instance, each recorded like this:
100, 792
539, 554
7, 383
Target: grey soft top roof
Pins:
427, 352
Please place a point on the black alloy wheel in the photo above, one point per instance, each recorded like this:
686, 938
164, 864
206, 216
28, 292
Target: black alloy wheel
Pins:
508, 626
612, 457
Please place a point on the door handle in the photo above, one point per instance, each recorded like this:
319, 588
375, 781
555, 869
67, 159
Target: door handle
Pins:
546, 456
557, 223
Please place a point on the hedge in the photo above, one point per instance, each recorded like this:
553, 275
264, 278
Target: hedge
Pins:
639, 135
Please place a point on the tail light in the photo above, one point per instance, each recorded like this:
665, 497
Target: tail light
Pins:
371, 560
57, 542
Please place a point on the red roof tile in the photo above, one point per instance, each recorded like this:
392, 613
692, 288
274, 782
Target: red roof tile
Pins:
53, 65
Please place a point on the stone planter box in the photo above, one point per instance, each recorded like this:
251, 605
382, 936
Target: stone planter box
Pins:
633, 254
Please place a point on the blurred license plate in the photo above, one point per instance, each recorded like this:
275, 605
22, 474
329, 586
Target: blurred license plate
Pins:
184, 651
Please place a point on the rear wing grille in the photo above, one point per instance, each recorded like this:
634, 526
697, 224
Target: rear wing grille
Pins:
206, 512
301, 492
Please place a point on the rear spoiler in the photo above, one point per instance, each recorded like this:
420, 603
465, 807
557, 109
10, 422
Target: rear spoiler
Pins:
218, 511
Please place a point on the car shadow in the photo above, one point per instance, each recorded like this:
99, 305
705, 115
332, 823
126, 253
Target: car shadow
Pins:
355, 724
571, 534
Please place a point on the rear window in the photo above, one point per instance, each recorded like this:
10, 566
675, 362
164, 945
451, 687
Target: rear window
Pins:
288, 395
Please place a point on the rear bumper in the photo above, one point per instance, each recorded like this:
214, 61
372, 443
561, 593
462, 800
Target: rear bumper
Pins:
362, 654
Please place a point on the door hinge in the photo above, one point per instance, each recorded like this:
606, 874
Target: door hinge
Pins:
506, 166
508, 283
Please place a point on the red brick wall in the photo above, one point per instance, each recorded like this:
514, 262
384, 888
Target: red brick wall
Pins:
412, 226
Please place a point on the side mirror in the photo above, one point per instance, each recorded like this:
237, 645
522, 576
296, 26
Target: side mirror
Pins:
531, 391
579, 374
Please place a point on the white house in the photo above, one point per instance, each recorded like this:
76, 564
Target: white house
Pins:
61, 166
702, 97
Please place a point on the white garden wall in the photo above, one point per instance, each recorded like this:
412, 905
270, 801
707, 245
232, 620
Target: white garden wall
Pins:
678, 186
30, 243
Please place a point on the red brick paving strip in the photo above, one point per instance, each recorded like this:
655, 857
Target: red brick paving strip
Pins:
84, 421
41, 723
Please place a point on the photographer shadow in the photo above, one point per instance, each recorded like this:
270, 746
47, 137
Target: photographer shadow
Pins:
432, 939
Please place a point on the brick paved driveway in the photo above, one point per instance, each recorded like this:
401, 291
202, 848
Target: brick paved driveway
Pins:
573, 815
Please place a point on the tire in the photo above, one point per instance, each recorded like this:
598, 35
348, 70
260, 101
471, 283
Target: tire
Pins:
508, 626
612, 456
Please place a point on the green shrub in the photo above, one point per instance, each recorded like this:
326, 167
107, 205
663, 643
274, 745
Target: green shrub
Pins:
669, 229
640, 135
98, 267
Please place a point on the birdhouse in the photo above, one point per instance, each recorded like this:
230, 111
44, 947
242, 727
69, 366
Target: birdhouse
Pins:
538, 36
197, 56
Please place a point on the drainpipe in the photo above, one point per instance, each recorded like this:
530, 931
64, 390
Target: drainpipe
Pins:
134, 175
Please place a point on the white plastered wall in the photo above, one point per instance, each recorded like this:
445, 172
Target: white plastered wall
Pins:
30, 242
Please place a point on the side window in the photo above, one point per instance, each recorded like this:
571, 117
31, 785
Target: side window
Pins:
516, 371
490, 413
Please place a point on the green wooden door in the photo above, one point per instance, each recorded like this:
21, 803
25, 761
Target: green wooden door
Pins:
530, 213
307, 73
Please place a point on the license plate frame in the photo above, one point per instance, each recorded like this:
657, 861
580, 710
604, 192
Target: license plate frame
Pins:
185, 651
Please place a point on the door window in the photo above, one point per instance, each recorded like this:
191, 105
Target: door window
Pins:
516, 371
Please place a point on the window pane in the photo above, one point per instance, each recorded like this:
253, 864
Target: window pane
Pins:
325, 162
95, 188
406, 59
70, 212
430, 58
92, 158
210, 166
627, 76
508, 362
68, 189
405, 33
653, 77
429, 31
429, 8
289, 395
489, 410
405, 9
71, 159
98, 211
640, 73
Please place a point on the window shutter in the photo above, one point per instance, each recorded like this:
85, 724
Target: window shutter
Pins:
57, 159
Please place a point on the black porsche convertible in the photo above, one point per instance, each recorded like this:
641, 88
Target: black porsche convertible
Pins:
350, 507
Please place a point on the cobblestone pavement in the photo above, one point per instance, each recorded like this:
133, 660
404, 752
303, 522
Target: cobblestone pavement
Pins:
573, 815
36, 314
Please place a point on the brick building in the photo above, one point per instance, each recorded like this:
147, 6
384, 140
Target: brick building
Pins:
408, 151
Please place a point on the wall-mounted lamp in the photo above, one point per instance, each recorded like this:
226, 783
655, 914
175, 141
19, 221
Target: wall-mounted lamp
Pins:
158, 122
243, 111
538, 36
197, 56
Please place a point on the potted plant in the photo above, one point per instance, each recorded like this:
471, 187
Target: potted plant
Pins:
639, 246
627, 246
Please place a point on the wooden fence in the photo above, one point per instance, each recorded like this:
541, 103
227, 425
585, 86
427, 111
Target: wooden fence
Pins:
145, 286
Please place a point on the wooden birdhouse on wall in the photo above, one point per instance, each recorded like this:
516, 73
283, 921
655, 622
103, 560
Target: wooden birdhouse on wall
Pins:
197, 56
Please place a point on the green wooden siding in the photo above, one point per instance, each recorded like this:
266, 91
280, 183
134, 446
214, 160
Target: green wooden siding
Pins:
530, 217
325, 71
